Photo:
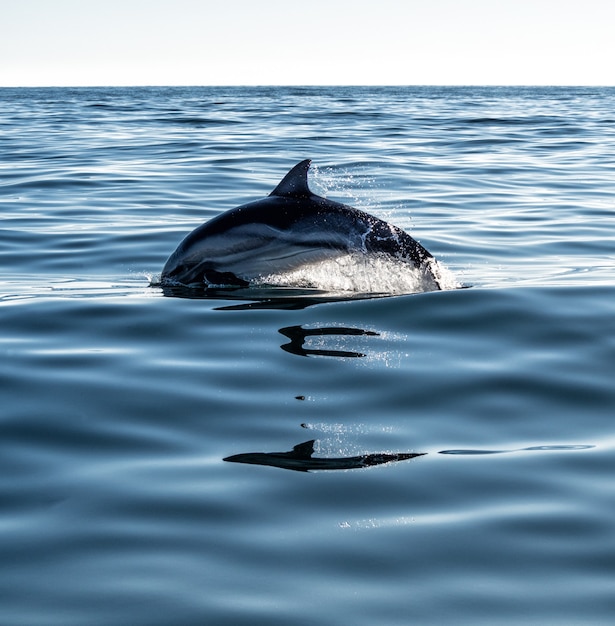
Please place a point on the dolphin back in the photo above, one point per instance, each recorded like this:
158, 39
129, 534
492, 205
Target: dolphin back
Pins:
291, 228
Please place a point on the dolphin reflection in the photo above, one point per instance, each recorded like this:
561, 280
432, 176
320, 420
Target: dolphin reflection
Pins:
300, 459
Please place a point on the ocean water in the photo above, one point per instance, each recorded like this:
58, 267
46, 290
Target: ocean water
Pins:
120, 400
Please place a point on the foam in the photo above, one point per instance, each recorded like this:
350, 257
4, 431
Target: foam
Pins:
361, 273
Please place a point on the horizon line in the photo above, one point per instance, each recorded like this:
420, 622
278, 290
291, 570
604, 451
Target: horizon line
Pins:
300, 85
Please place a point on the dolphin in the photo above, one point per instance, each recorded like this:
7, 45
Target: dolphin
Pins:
290, 228
300, 459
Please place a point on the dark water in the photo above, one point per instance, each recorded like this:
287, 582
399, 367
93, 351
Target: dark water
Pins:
119, 402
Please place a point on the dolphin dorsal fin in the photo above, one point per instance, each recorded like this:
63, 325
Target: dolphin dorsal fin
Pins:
295, 183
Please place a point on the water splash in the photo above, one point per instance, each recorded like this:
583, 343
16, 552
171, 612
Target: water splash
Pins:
361, 273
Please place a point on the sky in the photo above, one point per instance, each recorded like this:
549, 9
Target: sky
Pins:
314, 42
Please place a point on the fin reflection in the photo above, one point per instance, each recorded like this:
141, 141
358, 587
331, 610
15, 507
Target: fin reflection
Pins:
298, 336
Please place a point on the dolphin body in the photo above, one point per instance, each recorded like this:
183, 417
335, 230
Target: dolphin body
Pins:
300, 459
290, 228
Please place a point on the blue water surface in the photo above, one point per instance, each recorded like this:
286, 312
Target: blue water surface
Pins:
120, 400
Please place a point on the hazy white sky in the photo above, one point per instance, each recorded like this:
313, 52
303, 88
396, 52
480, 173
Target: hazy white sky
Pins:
316, 42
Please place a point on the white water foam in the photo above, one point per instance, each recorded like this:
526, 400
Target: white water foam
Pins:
361, 273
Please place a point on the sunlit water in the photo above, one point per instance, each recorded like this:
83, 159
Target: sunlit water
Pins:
120, 400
